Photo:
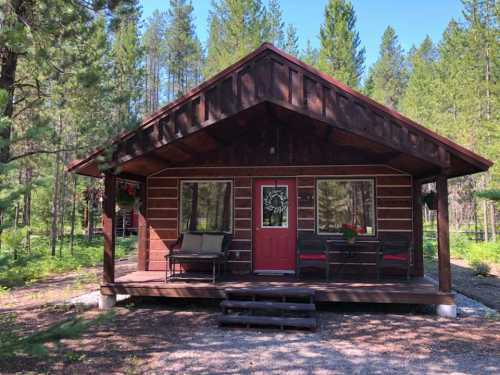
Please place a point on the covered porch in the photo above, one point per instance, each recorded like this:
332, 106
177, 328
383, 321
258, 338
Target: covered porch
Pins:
418, 290
272, 121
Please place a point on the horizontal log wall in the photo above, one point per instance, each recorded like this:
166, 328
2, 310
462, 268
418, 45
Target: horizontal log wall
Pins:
393, 208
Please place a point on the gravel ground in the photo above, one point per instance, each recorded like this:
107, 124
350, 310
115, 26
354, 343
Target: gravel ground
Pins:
234, 351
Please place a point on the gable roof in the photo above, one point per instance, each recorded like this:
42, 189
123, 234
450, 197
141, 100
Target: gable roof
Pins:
271, 75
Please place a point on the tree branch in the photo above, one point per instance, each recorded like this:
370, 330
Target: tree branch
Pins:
42, 151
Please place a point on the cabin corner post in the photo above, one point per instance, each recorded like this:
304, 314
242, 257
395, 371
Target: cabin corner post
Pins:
443, 234
142, 229
418, 259
109, 226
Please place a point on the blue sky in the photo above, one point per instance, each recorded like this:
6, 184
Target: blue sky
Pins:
412, 20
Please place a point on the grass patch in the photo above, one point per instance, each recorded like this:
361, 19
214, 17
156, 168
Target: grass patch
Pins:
13, 343
463, 248
39, 264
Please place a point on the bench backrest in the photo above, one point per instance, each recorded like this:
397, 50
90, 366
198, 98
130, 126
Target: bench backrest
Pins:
226, 241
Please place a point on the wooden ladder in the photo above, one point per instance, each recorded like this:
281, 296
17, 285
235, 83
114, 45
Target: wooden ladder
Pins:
278, 307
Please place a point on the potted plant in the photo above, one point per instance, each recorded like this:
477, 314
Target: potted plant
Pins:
430, 200
350, 232
127, 196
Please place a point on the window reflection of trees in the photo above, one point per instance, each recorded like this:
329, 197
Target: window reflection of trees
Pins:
206, 206
345, 202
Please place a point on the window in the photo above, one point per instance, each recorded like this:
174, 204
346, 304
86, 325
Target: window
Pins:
274, 206
206, 206
345, 202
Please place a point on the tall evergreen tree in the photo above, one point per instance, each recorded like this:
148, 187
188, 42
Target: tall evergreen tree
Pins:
275, 24
153, 41
422, 75
183, 49
389, 72
291, 45
341, 54
236, 27
310, 55
126, 57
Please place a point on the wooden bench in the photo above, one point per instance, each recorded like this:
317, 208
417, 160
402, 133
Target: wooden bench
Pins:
198, 247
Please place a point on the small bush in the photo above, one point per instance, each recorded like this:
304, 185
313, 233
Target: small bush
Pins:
480, 268
430, 248
39, 263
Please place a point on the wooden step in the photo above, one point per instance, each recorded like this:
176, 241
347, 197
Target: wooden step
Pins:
310, 323
271, 292
263, 305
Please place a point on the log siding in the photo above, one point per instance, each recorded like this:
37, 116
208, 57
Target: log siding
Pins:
394, 214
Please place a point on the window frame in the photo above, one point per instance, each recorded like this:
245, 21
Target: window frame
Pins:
231, 200
374, 209
262, 202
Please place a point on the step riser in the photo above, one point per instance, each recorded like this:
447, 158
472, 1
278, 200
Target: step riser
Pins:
256, 302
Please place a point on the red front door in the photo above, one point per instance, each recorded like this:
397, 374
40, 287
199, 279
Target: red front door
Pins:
275, 220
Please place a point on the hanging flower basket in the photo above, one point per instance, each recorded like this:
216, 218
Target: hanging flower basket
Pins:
127, 197
350, 232
430, 200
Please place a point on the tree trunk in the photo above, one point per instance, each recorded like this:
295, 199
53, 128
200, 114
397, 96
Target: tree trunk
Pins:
55, 198
63, 209
54, 211
476, 228
16, 219
73, 215
27, 207
193, 222
493, 222
485, 219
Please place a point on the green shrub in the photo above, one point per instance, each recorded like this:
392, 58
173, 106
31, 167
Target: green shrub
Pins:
14, 238
39, 263
430, 248
483, 251
459, 243
480, 268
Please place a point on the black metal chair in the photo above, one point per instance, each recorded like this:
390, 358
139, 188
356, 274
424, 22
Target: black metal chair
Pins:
394, 254
312, 252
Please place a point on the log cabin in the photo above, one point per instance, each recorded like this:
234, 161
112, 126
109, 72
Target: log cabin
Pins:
270, 151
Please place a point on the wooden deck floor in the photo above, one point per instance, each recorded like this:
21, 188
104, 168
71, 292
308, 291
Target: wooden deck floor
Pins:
152, 283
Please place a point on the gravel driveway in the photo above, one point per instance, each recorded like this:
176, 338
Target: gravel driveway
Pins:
358, 344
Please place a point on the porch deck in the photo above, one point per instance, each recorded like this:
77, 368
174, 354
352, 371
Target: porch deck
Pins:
152, 284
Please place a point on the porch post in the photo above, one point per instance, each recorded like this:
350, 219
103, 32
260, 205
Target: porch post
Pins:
418, 234
443, 234
142, 240
109, 224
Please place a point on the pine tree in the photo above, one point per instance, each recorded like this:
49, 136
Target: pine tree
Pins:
291, 45
183, 49
389, 72
236, 27
275, 24
126, 56
340, 54
310, 55
153, 41
422, 75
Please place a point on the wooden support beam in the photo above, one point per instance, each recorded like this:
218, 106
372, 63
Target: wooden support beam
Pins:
418, 233
443, 234
142, 230
109, 225
131, 177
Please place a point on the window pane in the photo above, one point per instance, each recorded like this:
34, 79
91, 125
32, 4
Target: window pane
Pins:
206, 206
275, 206
345, 202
